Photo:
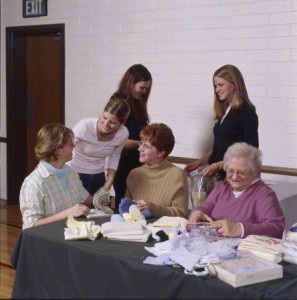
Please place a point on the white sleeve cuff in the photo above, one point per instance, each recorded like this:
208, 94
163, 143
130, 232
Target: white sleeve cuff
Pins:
242, 230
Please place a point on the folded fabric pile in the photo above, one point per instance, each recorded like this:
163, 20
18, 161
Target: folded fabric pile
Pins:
77, 230
267, 248
124, 207
290, 245
124, 231
171, 222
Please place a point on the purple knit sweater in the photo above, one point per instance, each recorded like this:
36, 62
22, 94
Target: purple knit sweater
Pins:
257, 208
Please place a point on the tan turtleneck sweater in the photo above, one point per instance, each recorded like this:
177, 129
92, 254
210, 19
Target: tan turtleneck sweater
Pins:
164, 186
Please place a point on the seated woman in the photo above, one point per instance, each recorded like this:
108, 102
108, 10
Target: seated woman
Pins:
53, 191
243, 204
158, 186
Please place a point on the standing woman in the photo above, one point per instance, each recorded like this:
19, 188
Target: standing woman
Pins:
97, 139
135, 87
236, 116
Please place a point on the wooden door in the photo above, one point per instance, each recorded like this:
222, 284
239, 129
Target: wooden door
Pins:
35, 68
44, 88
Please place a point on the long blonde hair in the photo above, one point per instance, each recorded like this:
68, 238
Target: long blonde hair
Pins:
241, 97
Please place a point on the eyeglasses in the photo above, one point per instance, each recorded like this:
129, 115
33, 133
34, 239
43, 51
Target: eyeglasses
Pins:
241, 174
144, 145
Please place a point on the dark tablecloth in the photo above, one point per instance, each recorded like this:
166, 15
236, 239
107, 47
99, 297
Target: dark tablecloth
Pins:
47, 266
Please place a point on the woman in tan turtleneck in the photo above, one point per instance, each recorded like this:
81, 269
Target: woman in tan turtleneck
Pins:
158, 185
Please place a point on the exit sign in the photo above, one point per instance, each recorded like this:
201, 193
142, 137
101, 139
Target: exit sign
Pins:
34, 8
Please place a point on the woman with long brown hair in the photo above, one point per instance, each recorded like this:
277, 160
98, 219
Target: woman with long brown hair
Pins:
135, 87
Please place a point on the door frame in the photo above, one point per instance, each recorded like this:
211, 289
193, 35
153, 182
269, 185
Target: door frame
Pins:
16, 102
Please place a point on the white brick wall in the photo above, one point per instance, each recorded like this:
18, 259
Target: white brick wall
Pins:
182, 42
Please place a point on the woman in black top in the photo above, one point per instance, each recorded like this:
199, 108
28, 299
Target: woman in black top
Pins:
135, 87
236, 116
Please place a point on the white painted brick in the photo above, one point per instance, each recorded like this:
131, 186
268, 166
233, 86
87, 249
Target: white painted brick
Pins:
283, 18
248, 32
171, 25
136, 27
271, 7
229, 10
228, 44
123, 38
182, 42
278, 67
105, 8
283, 42
282, 91
136, 6
222, 22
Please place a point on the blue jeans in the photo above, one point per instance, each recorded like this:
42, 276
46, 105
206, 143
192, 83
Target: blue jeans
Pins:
92, 182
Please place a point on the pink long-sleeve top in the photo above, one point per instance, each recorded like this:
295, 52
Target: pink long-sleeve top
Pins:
257, 208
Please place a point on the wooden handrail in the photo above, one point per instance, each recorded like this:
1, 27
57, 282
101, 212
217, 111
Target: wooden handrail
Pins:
264, 169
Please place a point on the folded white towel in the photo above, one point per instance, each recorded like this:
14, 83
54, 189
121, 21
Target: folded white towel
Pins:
121, 226
264, 247
132, 238
125, 231
171, 222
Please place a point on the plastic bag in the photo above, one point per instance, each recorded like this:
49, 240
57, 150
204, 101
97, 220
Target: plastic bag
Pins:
200, 186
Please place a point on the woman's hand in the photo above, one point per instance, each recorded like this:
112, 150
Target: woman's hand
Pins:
107, 185
199, 216
227, 228
212, 169
192, 166
78, 210
142, 205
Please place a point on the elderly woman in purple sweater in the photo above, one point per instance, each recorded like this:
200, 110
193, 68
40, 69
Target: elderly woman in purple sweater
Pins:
242, 204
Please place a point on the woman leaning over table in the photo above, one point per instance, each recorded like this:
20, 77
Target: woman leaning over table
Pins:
53, 190
97, 139
135, 87
158, 186
236, 117
243, 204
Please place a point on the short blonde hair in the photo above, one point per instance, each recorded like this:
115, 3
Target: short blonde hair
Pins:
50, 138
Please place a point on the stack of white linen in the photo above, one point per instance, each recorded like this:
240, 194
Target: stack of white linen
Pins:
265, 247
124, 231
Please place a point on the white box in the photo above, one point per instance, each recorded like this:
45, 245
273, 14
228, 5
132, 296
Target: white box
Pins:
245, 270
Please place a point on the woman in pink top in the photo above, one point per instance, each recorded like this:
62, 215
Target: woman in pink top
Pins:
243, 204
98, 145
